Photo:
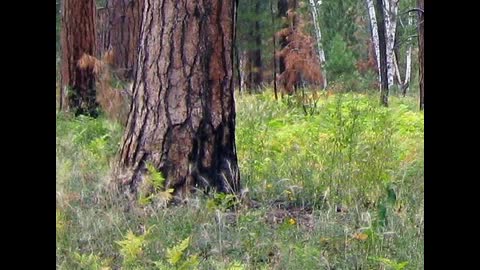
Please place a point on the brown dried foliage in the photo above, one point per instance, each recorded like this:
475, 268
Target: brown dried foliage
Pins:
369, 64
299, 55
114, 102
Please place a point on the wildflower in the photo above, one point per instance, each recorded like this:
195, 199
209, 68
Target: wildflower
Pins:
291, 221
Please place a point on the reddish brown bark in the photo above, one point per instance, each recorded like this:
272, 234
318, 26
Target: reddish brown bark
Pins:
121, 22
77, 38
182, 119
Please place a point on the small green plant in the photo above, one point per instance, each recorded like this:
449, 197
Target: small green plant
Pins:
222, 201
155, 181
60, 222
177, 259
131, 248
236, 265
390, 263
90, 262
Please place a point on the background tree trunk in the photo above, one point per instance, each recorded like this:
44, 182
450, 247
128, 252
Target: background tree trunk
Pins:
274, 46
182, 119
124, 23
375, 39
408, 69
102, 29
420, 51
78, 37
282, 14
254, 56
390, 17
318, 33
383, 53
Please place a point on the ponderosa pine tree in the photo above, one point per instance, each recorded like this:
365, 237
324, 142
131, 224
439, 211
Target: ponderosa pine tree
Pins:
77, 92
182, 119
121, 32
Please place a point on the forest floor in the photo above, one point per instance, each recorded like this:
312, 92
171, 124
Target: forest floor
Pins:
338, 185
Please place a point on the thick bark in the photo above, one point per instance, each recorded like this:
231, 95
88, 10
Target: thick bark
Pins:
238, 68
182, 119
383, 52
124, 23
374, 29
321, 52
78, 37
254, 56
421, 51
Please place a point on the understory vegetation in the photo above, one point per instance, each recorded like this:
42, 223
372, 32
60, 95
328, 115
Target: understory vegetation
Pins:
333, 183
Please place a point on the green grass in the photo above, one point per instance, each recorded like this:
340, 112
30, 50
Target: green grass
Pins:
339, 188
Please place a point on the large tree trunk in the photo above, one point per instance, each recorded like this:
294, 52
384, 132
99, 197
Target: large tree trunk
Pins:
254, 56
375, 39
182, 119
383, 53
124, 22
78, 37
421, 50
321, 52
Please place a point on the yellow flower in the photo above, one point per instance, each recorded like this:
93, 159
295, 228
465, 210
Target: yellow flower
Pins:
269, 186
291, 221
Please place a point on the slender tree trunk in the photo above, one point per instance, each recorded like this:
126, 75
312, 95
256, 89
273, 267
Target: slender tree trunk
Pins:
421, 51
103, 33
78, 37
391, 9
274, 52
408, 69
321, 52
383, 53
182, 119
396, 68
375, 39
282, 13
124, 23
254, 55
244, 69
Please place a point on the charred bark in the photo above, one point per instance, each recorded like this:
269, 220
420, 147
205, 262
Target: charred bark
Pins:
182, 119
